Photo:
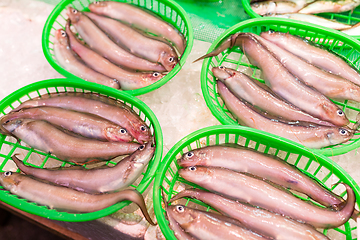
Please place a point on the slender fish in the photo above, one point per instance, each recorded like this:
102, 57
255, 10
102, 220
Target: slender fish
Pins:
274, 7
68, 60
257, 192
45, 137
96, 180
141, 19
63, 198
307, 134
256, 219
128, 80
260, 95
314, 55
320, 6
103, 45
136, 42
87, 125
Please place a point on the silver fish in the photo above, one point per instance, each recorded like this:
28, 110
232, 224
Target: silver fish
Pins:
141, 19
260, 95
96, 180
320, 6
67, 59
102, 44
314, 55
265, 8
137, 43
309, 135
257, 192
45, 137
128, 80
63, 198
87, 125
256, 219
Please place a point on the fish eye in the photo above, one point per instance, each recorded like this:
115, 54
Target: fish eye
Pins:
156, 74
97, 2
189, 154
142, 147
171, 59
271, 31
343, 131
123, 130
180, 208
340, 112
7, 174
143, 128
192, 168
63, 33
221, 67
75, 11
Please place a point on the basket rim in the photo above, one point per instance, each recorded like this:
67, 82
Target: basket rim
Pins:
278, 22
43, 211
64, 3
223, 129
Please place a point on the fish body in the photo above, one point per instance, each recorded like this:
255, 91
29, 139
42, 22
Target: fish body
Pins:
309, 135
128, 80
140, 19
66, 199
265, 8
353, 31
260, 95
45, 137
255, 219
313, 55
264, 166
257, 192
67, 59
87, 125
96, 180
112, 110
204, 225
330, 6
102, 44
137, 43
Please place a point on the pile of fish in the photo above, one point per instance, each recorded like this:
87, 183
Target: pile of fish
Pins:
299, 80
303, 10
118, 45
252, 193
79, 128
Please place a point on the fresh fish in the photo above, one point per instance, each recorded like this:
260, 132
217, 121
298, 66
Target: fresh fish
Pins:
115, 111
256, 219
260, 95
332, 86
45, 137
63, 198
204, 225
68, 60
96, 180
87, 125
313, 55
309, 135
137, 43
102, 44
320, 6
128, 80
271, 168
257, 192
353, 31
141, 19
274, 7
325, 22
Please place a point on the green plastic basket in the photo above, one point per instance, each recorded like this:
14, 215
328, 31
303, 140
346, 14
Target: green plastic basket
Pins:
316, 165
337, 42
348, 17
168, 10
9, 145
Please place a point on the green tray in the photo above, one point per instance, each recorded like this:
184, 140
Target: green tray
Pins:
337, 42
9, 145
313, 164
348, 17
168, 10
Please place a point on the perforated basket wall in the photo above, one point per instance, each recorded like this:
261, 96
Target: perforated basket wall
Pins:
168, 10
315, 165
10, 146
337, 42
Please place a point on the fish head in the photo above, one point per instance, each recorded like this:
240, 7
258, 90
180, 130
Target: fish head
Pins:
222, 73
9, 180
150, 78
98, 7
117, 134
141, 133
194, 158
335, 115
339, 135
263, 8
196, 174
181, 214
168, 59
61, 37
74, 15
12, 125
144, 153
